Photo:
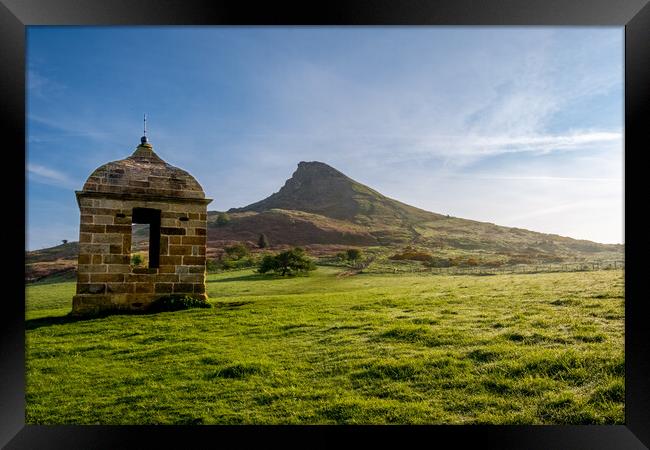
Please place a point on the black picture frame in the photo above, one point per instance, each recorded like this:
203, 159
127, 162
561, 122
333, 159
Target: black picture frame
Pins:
634, 15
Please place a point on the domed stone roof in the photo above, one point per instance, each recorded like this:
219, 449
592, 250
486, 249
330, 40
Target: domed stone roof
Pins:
143, 174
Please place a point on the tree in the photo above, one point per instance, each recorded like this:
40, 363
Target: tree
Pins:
287, 263
268, 264
65, 241
353, 254
237, 251
263, 241
222, 219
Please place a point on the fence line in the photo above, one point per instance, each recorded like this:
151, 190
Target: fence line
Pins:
514, 269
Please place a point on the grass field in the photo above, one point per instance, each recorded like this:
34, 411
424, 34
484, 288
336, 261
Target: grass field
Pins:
504, 349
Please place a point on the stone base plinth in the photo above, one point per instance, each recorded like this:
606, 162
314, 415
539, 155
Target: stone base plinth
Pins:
88, 304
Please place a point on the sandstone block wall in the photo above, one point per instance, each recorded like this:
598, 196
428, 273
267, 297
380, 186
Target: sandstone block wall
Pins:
106, 280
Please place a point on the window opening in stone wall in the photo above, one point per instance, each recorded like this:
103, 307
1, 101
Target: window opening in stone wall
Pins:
145, 238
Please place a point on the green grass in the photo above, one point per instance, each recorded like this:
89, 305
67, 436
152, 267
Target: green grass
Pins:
505, 349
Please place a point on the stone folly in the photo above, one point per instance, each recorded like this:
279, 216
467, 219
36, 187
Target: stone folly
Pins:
140, 189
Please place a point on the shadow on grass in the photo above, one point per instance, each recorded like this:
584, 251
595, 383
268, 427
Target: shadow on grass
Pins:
254, 277
32, 324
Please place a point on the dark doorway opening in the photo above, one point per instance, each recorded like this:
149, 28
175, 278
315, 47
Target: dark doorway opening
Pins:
150, 217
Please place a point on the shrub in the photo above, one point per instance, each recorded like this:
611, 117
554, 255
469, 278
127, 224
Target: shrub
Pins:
222, 219
177, 303
287, 263
438, 262
237, 251
268, 264
136, 259
227, 263
236, 256
411, 254
211, 265
353, 254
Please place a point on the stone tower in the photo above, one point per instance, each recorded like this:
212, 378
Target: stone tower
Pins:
140, 189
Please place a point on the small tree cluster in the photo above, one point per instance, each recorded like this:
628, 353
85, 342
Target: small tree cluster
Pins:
351, 255
288, 262
236, 256
222, 219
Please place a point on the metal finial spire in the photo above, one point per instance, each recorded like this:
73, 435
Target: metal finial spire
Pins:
143, 139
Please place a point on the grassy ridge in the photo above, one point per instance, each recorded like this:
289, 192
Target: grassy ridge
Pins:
544, 348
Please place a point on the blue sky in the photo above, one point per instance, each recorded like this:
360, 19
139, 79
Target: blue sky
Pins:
516, 126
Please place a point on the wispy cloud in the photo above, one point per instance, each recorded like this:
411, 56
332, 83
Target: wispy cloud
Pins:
50, 176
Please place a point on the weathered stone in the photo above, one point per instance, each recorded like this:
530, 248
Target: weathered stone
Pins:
116, 259
172, 230
180, 249
83, 278
144, 288
108, 238
126, 229
164, 288
91, 268
104, 220
140, 278
169, 260
167, 278
183, 287
167, 269
123, 220
145, 270
169, 223
89, 288
193, 240
192, 278
105, 278
118, 268
88, 228
193, 260
199, 288
84, 259
119, 288
93, 249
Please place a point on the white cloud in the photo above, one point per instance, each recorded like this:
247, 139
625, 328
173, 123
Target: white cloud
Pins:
50, 176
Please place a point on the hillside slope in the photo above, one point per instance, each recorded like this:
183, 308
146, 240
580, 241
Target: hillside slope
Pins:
326, 193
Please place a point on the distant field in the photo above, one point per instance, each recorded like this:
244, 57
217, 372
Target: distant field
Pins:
504, 349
